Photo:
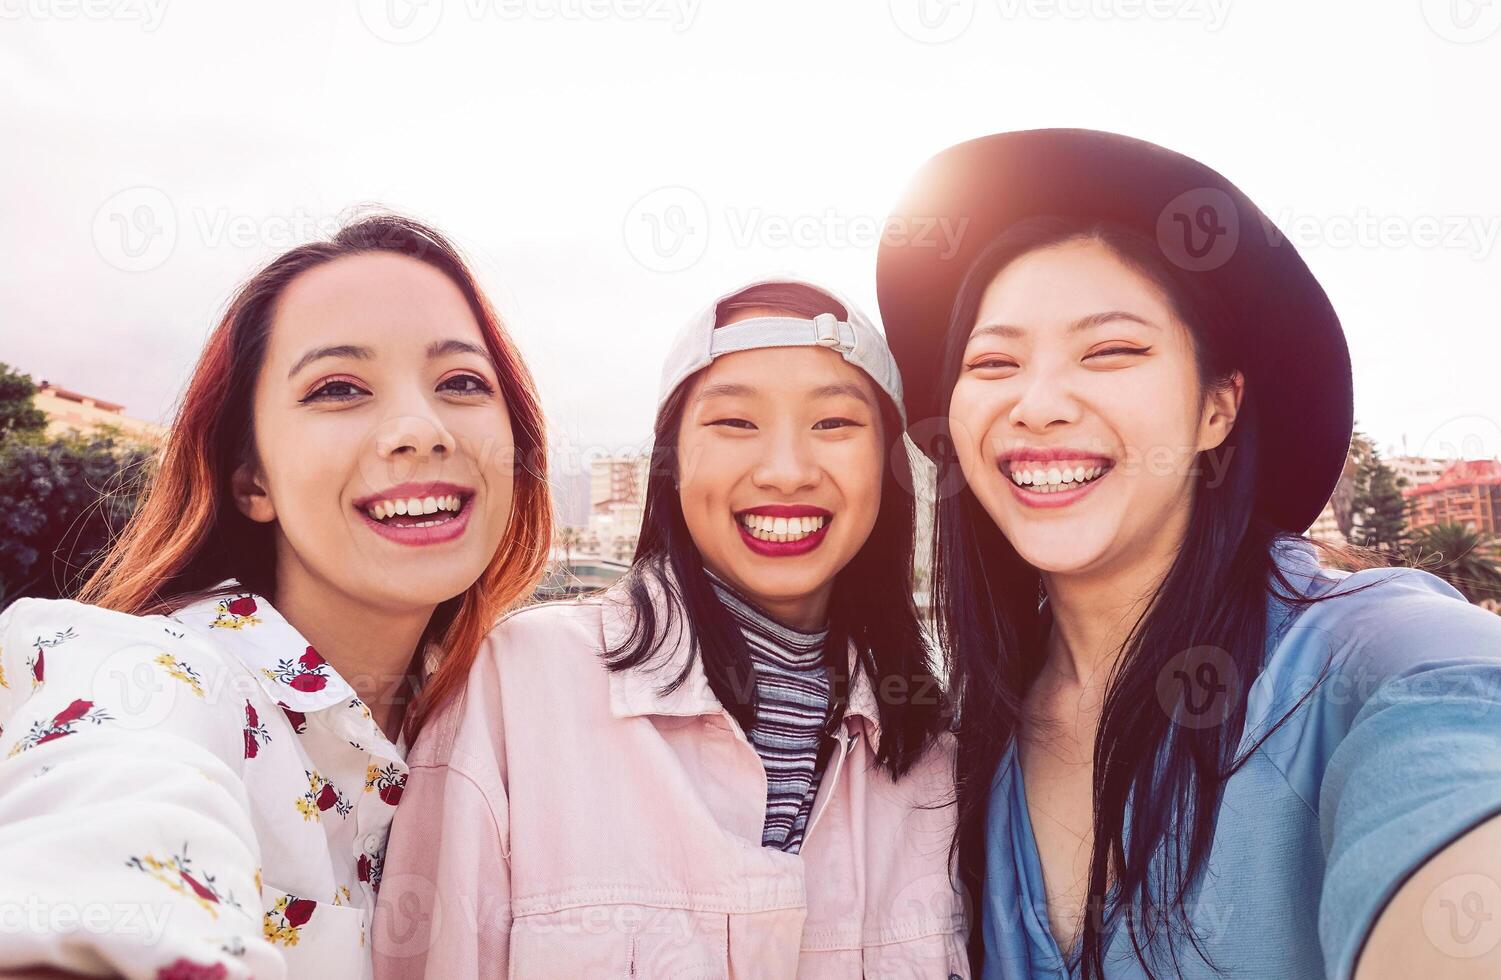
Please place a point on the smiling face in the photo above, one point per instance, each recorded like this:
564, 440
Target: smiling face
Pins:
383, 443
1079, 412
781, 455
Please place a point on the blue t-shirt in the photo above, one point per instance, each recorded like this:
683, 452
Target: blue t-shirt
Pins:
1395, 755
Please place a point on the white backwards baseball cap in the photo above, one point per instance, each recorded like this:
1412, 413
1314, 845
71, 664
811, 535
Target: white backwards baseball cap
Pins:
854, 338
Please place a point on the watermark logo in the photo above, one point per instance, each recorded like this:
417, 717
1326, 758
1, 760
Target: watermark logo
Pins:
148, 13
401, 21
1199, 688
136, 229
1462, 916
932, 21
1199, 229
1462, 21
667, 230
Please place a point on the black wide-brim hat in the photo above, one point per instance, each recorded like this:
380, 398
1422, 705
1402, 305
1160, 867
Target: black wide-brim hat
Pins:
1288, 340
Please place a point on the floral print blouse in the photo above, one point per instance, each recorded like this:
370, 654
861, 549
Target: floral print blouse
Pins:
198, 795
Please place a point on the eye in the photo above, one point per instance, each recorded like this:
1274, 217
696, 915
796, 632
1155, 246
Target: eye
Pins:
1112, 351
992, 362
466, 384
836, 423
336, 390
734, 423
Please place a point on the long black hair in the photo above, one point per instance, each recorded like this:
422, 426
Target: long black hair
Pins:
1214, 597
871, 602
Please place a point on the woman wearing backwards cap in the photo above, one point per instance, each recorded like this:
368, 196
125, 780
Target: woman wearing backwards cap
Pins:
736, 762
1184, 745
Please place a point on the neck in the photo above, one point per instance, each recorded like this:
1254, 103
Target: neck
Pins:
804, 613
1095, 610
371, 647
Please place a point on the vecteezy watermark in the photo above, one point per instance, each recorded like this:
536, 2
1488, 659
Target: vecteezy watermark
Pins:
1462, 915
148, 13
1462, 21
1472, 233
932, 21
1199, 229
940, 21
139, 228
34, 916
1211, 13
135, 230
1471, 436
1199, 688
409, 21
669, 229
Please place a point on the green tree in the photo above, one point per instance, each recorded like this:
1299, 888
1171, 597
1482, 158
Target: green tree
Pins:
18, 415
1458, 555
60, 502
1378, 511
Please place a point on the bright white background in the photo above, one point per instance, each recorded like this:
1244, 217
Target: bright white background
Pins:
609, 164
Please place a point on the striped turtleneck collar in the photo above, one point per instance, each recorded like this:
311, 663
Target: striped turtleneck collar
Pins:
799, 644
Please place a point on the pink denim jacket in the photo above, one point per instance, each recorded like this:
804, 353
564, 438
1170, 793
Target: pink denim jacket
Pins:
565, 821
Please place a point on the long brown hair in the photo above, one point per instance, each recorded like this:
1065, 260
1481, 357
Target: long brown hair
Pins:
187, 535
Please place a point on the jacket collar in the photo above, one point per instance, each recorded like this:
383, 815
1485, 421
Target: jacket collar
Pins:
638, 691
286, 665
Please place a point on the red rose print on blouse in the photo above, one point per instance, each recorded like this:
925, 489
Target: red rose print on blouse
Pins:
297, 718
370, 867
185, 969
235, 614
321, 796
387, 782
65, 722
37, 664
308, 673
256, 734
178, 874
285, 919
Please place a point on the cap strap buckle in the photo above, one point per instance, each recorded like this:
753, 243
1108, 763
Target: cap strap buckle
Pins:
827, 327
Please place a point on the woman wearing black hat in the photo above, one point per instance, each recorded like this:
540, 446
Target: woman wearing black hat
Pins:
1186, 748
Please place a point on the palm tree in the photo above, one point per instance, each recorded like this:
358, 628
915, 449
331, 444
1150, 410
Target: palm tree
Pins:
1458, 555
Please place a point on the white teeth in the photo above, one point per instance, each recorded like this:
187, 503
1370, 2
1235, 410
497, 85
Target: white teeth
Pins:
1055, 478
383, 509
765, 528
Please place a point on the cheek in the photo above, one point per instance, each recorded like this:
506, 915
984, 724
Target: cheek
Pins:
974, 409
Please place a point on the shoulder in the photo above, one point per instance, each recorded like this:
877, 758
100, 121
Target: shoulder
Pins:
1398, 619
1368, 639
555, 635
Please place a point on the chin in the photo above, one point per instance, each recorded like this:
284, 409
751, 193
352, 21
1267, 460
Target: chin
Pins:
1057, 551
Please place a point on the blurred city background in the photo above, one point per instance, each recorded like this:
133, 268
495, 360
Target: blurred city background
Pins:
71, 466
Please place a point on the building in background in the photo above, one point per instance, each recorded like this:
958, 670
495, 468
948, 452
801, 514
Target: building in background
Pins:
1467, 492
68, 410
1417, 470
1326, 527
617, 502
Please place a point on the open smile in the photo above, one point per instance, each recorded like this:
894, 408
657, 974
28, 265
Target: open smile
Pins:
418, 513
1053, 478
783, 530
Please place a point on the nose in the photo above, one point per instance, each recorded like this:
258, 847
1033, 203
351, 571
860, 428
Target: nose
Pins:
1045, 401
788, 466
414, 436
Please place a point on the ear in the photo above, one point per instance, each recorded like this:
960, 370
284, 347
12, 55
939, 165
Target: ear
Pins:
248, 486
1220, 410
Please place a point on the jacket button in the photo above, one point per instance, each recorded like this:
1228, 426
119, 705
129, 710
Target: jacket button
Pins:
372, 842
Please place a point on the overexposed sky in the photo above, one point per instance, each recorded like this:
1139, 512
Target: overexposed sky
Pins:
611, 164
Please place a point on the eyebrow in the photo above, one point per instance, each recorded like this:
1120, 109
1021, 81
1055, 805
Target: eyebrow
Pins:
730, 390
1083, 323
842, 388
438, 348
